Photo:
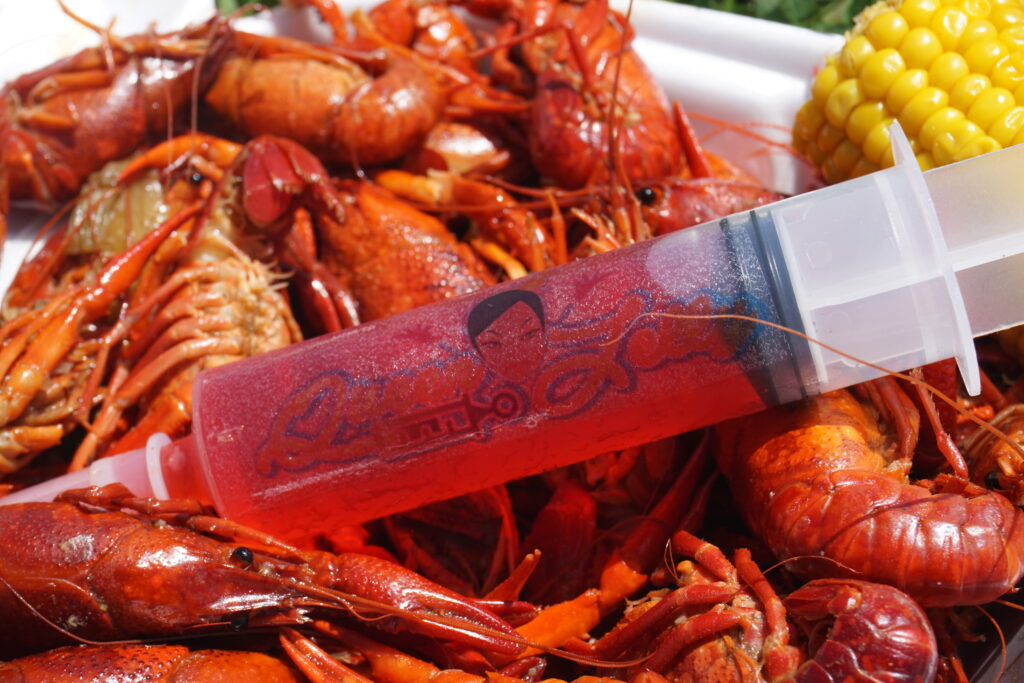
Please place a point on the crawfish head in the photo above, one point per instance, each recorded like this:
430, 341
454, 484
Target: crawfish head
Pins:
68, 572
110, 575
677, 203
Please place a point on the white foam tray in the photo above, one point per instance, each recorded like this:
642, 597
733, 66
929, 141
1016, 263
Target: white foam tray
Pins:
732, 68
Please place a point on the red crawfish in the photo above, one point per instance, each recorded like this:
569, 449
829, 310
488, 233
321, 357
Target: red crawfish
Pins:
590, 91
62, 122
102, 565
827, 477
351, 113
723, 621
388, 255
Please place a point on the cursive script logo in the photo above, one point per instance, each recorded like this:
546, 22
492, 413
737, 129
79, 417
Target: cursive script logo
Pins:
517, 362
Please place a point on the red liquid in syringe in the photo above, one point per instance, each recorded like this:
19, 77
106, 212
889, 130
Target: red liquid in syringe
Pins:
468, 393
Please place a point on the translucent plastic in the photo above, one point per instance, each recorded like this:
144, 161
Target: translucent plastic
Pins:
980, 205
142, 471
537, 373
871, 275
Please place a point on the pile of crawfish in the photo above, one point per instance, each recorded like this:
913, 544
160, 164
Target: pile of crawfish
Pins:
230, 194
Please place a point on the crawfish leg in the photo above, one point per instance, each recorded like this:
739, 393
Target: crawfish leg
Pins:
438, 612
170, 414
314, 662
142, 380
660, 616
386, 663
56, 339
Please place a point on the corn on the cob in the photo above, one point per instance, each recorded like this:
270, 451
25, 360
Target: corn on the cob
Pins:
950, 71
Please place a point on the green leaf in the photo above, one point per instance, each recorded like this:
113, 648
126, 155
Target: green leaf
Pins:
834, 16
232, 6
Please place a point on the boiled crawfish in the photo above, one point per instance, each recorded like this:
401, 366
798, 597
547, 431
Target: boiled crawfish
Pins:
725, 622
591, 95
191, 296
66, 120
349, 114
390, 256
826, 478
95, 571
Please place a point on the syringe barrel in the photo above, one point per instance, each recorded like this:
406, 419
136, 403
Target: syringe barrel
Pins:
872, 276
536, 373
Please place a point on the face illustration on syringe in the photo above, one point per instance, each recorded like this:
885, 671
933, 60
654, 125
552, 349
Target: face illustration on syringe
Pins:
510, 358
507, 330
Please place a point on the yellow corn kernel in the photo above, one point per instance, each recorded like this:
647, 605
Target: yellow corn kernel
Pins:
863, 167
829, 138
1013, 36
905, 87
967, 89
922, 105
937, 124
877, 140
1002, 16
887, 159
1008, 72
887, 29
809, 120
949, 68
918, 12
982, 144
816, 154
829, 171
990, 105
976, 8
950, 71
846, 155
949, 23
824, 84
863, 119
978, 29
920, 48
953, 139
880, 70
925, 161
984, 53
842, 101
1006, 126
853, 55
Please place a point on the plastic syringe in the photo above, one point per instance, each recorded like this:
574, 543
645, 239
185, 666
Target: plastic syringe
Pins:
601, 354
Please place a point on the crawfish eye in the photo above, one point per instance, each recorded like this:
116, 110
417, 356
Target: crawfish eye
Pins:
992, 480
242, 554
196, 177
647, 195
240, 621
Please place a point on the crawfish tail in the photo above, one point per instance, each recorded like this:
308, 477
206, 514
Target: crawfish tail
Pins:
816, 480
